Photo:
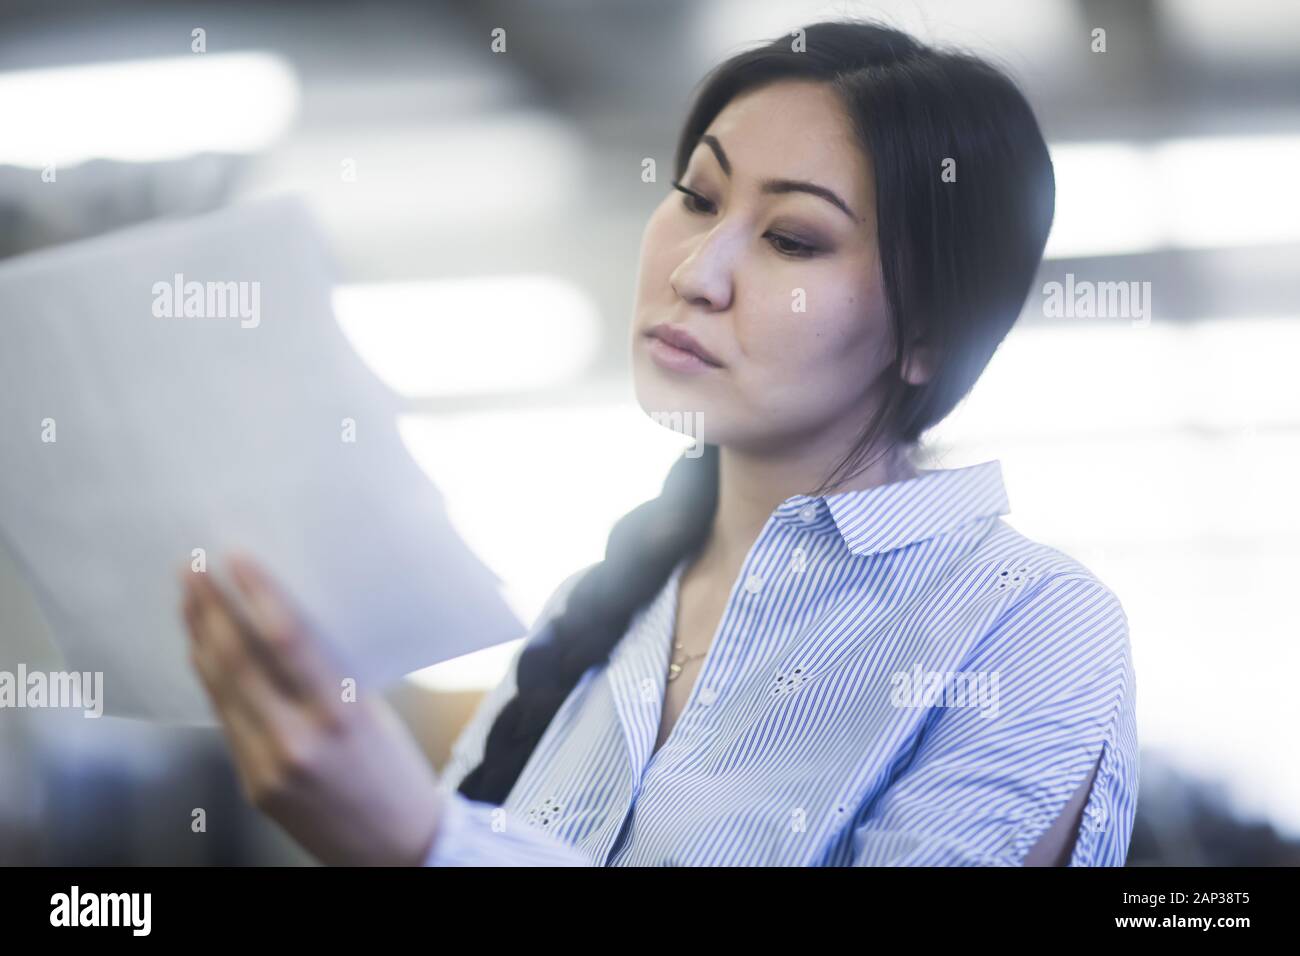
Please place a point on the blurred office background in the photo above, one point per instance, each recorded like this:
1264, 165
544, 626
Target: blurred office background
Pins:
475, 198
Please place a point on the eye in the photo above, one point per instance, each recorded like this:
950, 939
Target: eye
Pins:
693, 201
787, 246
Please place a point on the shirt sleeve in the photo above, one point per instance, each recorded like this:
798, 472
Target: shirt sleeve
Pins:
984, 783
474, 833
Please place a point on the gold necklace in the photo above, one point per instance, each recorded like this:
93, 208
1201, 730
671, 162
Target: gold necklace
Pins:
675, 667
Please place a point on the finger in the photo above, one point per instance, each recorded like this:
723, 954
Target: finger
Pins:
246, 741
253, 719
248, 749
219, 659
263, 736
287, 638
218, 631
240, 678
251, 673
263, 727
234, 636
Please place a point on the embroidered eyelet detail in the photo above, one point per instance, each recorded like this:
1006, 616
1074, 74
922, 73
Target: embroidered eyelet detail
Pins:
788, 682
545, 813
1095, 818
1015, 576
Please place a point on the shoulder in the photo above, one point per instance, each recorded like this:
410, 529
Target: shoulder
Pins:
1031, 561
1019, 571
540, 629
1044, 605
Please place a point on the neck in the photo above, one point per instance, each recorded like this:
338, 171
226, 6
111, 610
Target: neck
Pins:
750, 486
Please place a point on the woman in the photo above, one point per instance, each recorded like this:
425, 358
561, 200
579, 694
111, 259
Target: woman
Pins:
805, 651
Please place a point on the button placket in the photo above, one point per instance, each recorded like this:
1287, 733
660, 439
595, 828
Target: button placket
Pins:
717, 666
688, 722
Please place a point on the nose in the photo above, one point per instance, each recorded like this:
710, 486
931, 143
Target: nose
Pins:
704, 278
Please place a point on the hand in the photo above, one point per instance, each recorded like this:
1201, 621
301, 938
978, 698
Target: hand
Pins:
344, 778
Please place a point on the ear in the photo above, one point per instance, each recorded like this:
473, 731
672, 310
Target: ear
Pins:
918, 364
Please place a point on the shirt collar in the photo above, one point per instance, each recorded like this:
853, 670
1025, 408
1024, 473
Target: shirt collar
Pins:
885, 517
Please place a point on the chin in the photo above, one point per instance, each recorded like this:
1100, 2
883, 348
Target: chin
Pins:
659, 389
681, 410
657, 396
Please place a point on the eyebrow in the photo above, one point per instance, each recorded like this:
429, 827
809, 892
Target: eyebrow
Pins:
779, 186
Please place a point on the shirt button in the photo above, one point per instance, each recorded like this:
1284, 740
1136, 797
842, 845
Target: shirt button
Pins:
753, 584
808, 513
708, 695
798, 560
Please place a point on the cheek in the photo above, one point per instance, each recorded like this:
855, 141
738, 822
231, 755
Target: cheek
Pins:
826, 356
658, 240
833, 321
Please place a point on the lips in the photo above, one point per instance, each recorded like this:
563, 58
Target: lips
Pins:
681, 339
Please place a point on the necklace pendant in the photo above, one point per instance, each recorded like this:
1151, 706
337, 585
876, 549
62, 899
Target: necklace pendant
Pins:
674, 670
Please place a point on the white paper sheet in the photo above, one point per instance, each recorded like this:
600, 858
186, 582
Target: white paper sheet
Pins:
173, 433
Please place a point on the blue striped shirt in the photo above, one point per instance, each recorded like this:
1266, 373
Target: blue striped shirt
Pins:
899, 677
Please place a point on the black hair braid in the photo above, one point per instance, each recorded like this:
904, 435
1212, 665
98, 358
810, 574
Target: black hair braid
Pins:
642, 549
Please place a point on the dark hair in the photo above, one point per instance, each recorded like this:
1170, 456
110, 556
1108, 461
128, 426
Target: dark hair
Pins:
957, 260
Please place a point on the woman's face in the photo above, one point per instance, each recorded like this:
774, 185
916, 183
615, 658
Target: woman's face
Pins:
765, 234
